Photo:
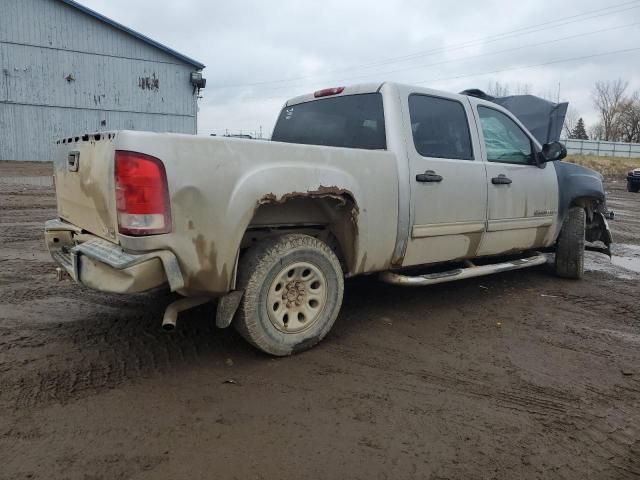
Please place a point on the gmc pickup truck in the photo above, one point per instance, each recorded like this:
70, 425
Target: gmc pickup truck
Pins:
417, 185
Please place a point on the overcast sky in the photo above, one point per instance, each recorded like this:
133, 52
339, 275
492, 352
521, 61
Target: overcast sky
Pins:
258, 54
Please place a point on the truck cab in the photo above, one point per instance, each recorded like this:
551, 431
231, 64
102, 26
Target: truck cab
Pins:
471, 179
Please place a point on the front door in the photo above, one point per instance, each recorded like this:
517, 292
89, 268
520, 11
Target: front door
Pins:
447, 181
522, 196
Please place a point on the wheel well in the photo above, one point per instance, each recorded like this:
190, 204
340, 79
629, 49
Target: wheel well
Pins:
331, 217
588, 203
595, 229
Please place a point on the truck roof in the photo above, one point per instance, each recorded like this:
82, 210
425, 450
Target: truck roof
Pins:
364, 88
543, 119
348, 90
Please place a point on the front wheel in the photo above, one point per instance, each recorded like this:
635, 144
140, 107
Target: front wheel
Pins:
293, 287
570, 246
632, 188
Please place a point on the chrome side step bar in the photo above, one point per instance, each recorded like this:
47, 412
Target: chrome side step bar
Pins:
460, 273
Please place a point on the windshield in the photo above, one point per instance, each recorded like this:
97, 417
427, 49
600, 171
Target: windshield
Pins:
351, 121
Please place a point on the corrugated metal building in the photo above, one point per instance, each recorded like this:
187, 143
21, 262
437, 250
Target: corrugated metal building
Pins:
65, 69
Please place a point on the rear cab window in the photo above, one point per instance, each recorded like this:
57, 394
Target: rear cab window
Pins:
350, 121
440, 127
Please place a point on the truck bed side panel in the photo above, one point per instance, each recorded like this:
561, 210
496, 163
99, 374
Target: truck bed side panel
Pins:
216, 185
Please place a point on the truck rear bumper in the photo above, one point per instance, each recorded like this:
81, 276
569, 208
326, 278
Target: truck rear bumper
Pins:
104, 266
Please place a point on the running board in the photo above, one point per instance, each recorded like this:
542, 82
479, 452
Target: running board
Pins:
460, 273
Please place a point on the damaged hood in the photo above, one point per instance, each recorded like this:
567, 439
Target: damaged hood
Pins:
544, 119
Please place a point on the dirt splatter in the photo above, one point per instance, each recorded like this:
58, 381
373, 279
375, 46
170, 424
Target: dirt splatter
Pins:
208, 275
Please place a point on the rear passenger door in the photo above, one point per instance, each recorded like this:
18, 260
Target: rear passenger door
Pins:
447, 180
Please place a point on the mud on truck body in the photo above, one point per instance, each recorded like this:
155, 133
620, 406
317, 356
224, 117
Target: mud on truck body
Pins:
374, 178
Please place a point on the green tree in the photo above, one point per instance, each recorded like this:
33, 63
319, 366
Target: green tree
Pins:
579, 132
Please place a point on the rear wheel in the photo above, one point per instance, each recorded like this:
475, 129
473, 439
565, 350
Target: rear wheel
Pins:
293, 287
570, 245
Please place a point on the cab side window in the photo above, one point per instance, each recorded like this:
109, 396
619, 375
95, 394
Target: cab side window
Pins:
504, 140
440, 128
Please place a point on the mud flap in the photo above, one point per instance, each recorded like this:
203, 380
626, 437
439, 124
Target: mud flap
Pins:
227, 307
598, 231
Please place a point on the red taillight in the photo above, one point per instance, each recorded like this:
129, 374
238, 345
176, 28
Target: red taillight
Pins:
142, 197
328, 92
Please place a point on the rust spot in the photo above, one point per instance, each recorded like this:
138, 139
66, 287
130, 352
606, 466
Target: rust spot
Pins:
336, 193
149, 83
267, 199
344, 227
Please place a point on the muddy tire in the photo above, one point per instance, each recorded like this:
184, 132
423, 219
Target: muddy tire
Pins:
632, 188
293, 287
570, 245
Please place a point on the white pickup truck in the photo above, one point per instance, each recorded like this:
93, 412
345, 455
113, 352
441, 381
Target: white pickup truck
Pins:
420, 186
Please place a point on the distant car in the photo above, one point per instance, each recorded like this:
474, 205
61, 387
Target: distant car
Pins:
633, 180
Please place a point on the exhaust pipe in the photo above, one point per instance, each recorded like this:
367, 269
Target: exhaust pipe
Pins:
171, 313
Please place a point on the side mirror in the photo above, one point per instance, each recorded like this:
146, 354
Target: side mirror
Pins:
551, 152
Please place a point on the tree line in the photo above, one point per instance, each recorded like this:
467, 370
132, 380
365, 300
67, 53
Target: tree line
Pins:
618, 111
618, 114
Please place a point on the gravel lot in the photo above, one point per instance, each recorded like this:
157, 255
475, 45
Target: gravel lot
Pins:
516, 375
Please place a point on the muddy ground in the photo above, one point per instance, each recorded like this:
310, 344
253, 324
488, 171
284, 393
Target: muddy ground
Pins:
517, 375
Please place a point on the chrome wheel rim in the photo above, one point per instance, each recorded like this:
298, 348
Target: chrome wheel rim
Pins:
297, 296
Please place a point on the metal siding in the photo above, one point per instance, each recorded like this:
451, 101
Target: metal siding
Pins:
43, 41
38, 132
602, 148
53, 24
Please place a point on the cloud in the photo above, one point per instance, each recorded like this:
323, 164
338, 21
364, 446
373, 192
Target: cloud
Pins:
258, 54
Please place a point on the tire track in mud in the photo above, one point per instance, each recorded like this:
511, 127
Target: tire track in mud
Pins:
600, 441
23, 271
523, 396
107, 343
562, 412
591, 303
101, 355
569, 412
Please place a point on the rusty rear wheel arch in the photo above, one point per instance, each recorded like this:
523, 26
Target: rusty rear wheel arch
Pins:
332, 218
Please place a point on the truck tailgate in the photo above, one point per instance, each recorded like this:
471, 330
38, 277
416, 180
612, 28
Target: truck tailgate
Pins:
83, 171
